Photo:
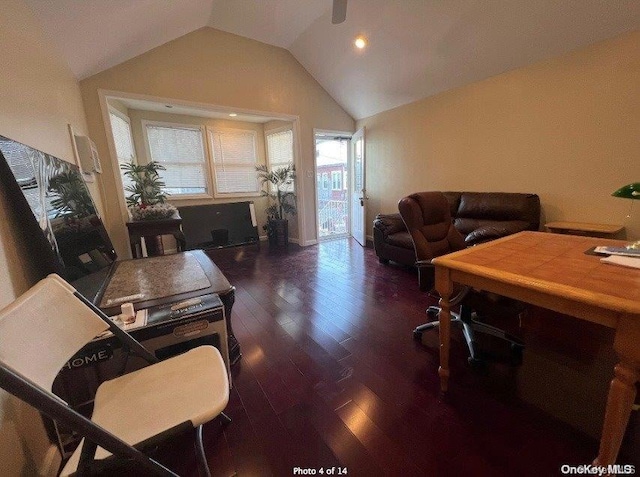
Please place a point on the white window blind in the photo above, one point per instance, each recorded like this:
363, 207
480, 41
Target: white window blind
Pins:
280, 148
234, 161
280, 151
124, 143
180, 150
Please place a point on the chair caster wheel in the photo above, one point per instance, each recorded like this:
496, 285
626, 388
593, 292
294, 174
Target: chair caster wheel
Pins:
417, 335
517, 352
432, 313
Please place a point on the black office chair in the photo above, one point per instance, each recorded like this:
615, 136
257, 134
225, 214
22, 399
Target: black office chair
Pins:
427, 216
131, 413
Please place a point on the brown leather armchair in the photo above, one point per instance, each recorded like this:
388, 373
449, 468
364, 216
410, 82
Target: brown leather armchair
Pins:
427, 216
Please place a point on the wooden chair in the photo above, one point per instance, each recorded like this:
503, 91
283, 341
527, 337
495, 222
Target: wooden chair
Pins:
41, 330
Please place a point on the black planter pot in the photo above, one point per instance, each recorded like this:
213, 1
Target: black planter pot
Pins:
279, 233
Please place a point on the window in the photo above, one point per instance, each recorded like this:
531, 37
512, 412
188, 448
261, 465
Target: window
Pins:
280, 151
336, 180
325, 180
125, 152
234, 161
180, 149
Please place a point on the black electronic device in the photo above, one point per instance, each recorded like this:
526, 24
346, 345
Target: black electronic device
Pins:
219, 225
54, 209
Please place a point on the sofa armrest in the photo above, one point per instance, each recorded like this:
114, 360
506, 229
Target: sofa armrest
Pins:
389, 224
492, 232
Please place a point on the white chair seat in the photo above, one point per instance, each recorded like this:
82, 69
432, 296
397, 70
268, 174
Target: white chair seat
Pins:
191, 387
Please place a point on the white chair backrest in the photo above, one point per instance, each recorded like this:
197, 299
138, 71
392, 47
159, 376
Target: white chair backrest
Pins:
45, 327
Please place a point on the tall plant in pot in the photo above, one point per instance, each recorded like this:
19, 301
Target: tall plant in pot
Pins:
279, 189
146, 200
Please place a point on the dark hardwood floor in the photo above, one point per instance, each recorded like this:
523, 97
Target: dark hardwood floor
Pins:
331, 378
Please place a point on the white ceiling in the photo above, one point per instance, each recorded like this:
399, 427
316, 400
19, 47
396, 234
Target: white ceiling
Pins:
417, 48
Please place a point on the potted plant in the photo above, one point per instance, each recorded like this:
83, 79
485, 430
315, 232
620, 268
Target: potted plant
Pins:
146, 201
282, 201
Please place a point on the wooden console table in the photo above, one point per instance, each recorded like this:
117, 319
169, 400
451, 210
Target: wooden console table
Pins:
152, 231
552, 271
583, 228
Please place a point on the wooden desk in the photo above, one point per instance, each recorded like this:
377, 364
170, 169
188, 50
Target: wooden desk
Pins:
153, 230
552, 271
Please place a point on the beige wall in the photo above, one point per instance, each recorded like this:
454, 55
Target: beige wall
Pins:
567, 129
213, 67
119, 106
38, 97
271, 125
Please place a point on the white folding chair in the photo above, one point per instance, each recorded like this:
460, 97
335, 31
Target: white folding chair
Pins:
41, 330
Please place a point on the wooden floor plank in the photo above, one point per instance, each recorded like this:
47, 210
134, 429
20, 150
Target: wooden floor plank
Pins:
331, 377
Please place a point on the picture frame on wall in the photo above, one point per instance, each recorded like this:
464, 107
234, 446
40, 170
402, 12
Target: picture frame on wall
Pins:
85, 155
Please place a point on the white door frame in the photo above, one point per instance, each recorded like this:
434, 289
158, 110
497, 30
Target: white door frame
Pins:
329, 132
362, 194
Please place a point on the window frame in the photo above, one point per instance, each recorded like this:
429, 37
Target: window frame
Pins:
205, 151
210, 130
336, 177
120, 172
278, 130
127, 120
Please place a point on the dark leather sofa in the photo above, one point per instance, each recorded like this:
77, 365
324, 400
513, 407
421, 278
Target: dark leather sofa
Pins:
478, 216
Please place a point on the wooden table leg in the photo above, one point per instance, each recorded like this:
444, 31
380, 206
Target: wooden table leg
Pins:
622, 391
228, 299
136, 246
444, 286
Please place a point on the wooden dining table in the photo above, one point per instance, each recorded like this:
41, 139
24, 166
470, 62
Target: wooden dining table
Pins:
560, 273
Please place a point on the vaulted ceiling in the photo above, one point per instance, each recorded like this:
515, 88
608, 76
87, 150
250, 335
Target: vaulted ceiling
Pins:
416, 48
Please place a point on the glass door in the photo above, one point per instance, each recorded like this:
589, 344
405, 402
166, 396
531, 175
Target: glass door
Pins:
332, 186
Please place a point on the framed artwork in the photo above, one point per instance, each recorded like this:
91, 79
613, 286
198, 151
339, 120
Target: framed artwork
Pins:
85, 155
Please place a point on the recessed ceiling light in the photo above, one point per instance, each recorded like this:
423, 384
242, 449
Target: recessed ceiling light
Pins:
360, 42
233, 115
168, 106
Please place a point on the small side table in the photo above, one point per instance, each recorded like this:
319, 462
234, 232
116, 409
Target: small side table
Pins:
583, 228
152, 231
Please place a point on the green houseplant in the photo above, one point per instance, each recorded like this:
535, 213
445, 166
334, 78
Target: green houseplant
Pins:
74, 209
146, 200
282, 200
70, 195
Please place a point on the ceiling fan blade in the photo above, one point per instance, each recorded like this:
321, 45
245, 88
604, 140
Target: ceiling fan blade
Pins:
339, 13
